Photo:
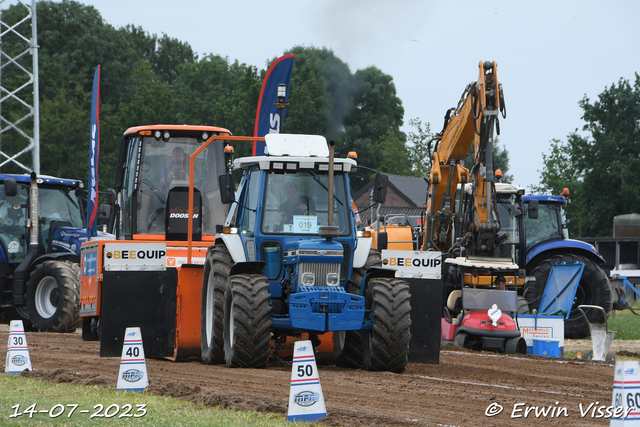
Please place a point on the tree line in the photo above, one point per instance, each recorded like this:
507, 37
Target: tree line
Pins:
151, 79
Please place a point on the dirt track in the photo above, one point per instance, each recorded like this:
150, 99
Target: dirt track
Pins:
456, 392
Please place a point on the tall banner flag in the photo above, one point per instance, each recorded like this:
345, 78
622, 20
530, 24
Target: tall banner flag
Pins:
94, 153
269, 117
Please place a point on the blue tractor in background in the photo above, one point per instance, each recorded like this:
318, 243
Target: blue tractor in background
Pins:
42, 226
547, 243
290, 259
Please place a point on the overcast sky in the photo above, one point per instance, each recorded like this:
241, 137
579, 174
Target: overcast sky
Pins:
549, 53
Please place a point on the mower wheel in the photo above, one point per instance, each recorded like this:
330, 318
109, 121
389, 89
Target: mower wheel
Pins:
461, 340
516, 345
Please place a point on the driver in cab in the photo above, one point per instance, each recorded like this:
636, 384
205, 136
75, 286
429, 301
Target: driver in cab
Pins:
178, 168
295, 204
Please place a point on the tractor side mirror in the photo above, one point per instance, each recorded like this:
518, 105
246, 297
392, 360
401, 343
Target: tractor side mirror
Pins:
111, 196
533, 209
380, 188
10, 187
105, 211
227, 188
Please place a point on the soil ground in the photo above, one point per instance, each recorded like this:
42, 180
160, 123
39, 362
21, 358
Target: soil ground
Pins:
456, 392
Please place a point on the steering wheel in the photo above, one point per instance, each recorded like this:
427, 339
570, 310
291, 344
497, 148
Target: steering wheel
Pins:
162, 197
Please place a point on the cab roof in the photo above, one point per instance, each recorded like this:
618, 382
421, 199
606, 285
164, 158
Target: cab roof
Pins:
292, 151
137, 129
545, 198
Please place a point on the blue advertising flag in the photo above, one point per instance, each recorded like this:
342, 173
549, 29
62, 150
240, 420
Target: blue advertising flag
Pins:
94, 153
269, 117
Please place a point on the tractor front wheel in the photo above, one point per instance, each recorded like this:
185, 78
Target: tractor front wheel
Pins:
348, 345
386, 347
214, 285
53, 297
247, 321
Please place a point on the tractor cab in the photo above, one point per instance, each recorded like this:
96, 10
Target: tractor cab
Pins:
282, 216
544, 219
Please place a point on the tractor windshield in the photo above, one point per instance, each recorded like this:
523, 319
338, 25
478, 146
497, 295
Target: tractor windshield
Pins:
545, 227
58, 207
298, 203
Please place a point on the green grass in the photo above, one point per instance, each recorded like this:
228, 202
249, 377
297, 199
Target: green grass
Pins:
626, 324
160, 411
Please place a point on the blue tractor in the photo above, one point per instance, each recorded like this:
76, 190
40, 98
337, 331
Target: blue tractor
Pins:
547, 243
290, 259
42, 227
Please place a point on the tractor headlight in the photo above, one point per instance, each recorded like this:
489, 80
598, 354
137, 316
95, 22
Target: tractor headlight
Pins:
333, 279
308, 279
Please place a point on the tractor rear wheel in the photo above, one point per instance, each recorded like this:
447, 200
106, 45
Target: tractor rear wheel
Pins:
386, 347
53, 295
214, 285
348, 345
594, 289
247, 321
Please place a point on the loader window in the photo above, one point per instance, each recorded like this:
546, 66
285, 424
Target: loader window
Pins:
509, 225
164, 165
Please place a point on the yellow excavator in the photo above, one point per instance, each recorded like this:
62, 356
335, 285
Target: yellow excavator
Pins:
465, 220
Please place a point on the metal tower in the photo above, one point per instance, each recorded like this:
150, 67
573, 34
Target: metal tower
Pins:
19, 95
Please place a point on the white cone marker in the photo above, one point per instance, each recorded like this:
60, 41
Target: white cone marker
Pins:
133, 370
17, 351
306, 402
626, 394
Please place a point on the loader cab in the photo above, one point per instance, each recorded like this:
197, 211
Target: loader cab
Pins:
152, 183
512, 221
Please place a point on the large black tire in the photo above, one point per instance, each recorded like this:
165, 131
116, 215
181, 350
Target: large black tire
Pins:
594, 289
247, 321
386, 347
348, 345
53, 295
214, 284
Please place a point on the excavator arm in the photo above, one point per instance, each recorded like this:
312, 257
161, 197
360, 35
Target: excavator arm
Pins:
473, 121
